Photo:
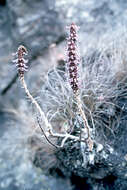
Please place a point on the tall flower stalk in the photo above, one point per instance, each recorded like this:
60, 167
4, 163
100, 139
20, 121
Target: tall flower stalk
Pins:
73, 64
21, 67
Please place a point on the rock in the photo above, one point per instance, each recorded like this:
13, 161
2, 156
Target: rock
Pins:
38, 24
31, 24
6, 73
16, 168
35, 25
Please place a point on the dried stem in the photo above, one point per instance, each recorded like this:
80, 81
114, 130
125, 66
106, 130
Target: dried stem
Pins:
82, 113
43, 117
48, 125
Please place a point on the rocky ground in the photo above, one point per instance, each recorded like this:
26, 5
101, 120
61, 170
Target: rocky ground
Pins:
41, 27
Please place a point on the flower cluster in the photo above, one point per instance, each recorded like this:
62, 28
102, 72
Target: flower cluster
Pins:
73, 59
20, 61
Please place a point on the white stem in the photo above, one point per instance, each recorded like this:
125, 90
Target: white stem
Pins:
47, 124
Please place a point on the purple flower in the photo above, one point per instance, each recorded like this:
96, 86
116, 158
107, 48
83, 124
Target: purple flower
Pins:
20, 61
73, 59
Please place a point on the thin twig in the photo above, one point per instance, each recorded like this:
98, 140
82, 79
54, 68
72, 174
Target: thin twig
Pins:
45, 134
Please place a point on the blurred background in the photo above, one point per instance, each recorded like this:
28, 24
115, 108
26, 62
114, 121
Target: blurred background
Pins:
41, 27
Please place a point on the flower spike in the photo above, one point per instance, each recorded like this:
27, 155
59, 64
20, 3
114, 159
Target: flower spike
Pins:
73, 59
20, 61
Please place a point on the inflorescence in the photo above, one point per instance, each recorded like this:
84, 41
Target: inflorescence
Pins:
72, 58
20, 61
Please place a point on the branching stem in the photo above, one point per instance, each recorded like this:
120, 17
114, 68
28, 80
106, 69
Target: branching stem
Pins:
45, 120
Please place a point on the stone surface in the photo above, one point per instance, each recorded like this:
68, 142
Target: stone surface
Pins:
40, 26
16, 168
31, 24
